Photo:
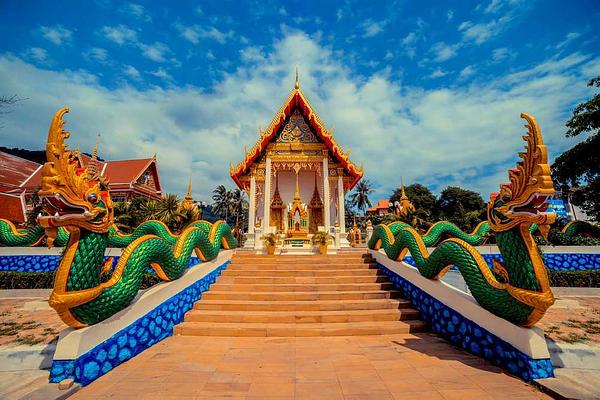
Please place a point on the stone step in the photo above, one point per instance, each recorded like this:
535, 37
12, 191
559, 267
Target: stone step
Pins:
298, 329
304, 261
292, 306
287, 317
298, 266
290, 257
305, 272
213, 294
322, 287
306, 280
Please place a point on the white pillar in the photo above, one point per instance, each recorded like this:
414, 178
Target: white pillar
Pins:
341, 209
266, 225
252, 204
326, 203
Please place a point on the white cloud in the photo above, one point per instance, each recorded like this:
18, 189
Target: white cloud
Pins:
450, 15
120, 34
438, 73
163, 74
57, 34
373, 28
97, 54
462, 135
193, 33
500, 54
571, 36
155, 52
37, 53
442, 51
388, 55
137, 10
467, 72
131, 72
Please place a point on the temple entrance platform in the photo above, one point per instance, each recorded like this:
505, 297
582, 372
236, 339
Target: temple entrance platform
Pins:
382, 367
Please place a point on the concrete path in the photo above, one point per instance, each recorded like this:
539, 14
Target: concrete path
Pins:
403, 366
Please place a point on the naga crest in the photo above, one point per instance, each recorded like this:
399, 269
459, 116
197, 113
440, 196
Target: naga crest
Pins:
75, 196
523, 200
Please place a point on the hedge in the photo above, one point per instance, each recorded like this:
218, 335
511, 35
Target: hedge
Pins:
45, 280
590, 278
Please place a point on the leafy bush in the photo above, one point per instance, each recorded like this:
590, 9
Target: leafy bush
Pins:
575, 278
45, 280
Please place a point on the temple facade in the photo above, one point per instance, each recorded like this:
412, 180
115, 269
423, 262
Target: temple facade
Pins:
296, 177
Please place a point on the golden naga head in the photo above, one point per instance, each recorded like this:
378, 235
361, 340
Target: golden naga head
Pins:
74, 195
523, 200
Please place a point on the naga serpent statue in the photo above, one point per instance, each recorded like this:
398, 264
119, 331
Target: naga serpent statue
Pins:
10, 236
518, 290
77, 200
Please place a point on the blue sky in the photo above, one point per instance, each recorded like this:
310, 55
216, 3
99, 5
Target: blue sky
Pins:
430, 91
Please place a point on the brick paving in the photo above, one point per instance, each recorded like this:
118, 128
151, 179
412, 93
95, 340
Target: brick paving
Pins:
28, 321
573, 320
401, 366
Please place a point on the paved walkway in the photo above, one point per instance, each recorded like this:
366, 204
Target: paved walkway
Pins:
403, 366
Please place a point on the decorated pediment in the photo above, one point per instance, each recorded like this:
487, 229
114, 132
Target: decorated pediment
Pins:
296, 130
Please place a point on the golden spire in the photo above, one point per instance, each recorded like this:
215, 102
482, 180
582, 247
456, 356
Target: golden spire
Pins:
188, 195
297, 84
404, 196
297, 194
92, 167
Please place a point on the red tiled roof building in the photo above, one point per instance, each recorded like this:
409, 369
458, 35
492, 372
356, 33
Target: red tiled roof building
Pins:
127, 179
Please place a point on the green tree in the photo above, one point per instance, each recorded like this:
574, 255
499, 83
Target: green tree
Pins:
221, 201
577, 170
238, 206
420, 196
462, 207
360, 197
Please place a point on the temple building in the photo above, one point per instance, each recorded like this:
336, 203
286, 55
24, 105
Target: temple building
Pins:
296, 177
20, 180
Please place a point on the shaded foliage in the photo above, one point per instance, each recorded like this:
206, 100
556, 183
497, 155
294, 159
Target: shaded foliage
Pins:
578, 169
360, 197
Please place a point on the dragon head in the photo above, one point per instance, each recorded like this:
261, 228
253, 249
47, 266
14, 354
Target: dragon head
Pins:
74, 195
523, 200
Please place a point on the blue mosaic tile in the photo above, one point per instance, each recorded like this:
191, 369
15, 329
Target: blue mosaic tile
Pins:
49, 263
135, 338
466, 334
554, 261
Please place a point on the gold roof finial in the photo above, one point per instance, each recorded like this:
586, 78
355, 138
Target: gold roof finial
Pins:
189, 189
402, 184
297, 84
297, 194
92, 168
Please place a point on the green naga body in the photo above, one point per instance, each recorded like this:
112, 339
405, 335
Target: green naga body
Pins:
82, 266
10, 236
78, 207
517, 290
445, 229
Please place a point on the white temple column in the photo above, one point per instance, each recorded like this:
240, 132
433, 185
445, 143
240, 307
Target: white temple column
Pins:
267, 210
252, 204
326, 203
341, 209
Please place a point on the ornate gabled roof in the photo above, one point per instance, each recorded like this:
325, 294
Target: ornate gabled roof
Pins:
297, 99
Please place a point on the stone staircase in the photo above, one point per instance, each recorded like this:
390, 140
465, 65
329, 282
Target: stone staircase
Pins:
343, 294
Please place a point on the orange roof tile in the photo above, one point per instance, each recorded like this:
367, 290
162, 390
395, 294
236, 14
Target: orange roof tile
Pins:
297, 98
381, 205
14, 171
12, 207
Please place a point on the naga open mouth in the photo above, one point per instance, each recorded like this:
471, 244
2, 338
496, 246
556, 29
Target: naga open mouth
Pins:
59, 210
535, 205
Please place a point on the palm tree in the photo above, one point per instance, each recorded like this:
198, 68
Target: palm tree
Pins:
167, 209
360, 197
238, 205
221, 201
